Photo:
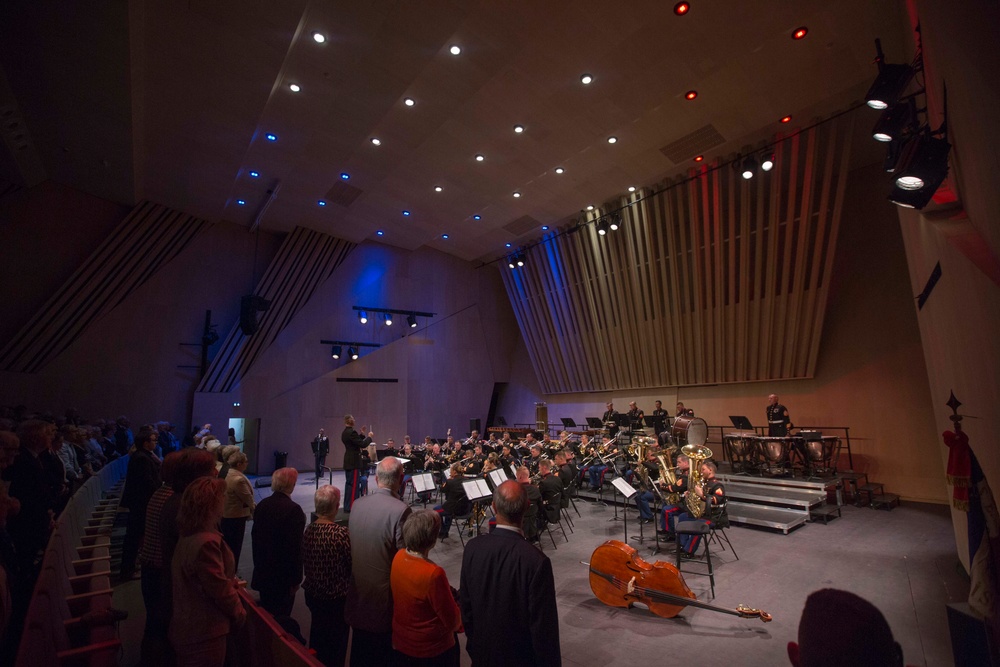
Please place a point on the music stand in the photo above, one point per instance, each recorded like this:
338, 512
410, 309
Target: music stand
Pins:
423, 483
595, 423
567, 422
498, 476
477, 490
741, 422
627, 491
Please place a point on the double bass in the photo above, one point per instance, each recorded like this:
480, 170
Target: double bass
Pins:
620, 577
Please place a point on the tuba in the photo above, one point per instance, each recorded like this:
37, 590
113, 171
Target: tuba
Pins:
667, 478
696, 454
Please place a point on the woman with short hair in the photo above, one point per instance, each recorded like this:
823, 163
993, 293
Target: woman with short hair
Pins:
239, 505
326, 559
425, 615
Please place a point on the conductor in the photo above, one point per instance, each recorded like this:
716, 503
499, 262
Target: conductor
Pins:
354, 442
320, 447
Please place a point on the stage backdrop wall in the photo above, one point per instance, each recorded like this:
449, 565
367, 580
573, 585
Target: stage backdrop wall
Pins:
420, 381
870, 372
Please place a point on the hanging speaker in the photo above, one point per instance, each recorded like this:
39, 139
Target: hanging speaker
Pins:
250, 305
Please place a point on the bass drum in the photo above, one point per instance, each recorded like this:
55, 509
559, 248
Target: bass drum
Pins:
689, 431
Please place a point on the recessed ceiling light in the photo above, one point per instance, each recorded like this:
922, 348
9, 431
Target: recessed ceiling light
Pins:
506, 245
590, 207
455, 49
691, 94
344, 176
480, 158
294, 87
380, 233
800, 32
406, 213
519, 128
545, 228
319, 37
241, 201
699, 158
612, 140
631, 188
320, 202
517, 194
409, 101
438, 188
586, 79
559, 170
254, 174
786, 119
477, 217
682, 8
376, 141
271, 137
444, 236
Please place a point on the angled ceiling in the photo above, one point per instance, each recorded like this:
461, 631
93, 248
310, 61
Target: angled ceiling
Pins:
172, 102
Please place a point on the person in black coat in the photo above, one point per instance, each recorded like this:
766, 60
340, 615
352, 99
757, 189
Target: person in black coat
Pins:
278, 524
354, 466
142, 479
552, 490
456, 503
320, 448
507, 593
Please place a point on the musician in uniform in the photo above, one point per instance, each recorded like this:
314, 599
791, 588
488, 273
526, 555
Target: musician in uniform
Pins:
456, 503
682, 411
433, 463
670, 512
598, 466
713, 493
645, 495
660, 417
778, 421
534, 458
354, 467
552, 490
610, 415
635, 416
507, 457
390, 447
320, 448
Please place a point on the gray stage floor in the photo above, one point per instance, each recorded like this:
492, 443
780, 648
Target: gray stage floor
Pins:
904, 561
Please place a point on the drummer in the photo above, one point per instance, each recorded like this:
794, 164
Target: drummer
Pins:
778, 421
682, 411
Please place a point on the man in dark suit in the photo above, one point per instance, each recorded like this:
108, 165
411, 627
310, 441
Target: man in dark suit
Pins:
354, 442
278, 523
142, 479
507, 595
320, 447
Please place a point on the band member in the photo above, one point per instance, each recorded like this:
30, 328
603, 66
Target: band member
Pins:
507, 457
610, 419
598, 466
682, 411
670, 512
354, 442
563, 470
320, 448
645, 495
390, 446
659, 413
491, 463
406, 441
713, 493
507, 440
534, 458
547, 443
778, 421
428, 442
585, 448
635, 416
456, 503
570, 465
529, 440
492, 445
534, 516
471, 441
552, 490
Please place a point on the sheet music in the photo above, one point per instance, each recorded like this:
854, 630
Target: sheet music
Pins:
423, 482
476, 489
623, 487
498, 476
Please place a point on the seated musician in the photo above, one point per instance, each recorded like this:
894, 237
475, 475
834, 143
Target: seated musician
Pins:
407, 452
492, 445
433, 462
569, 467
390, 447
635, 416
456, 503
547, 443
682, 411
534, 517
713, 493
562, 468
529, 440
598, 466
646, 496
670, 512
406, 441
507, 455
534, 458
491, 463
506, 439
552, 490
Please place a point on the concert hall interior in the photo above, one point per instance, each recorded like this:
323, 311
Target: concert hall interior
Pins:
164, 161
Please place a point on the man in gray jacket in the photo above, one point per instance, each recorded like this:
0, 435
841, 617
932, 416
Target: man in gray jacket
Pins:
376, 527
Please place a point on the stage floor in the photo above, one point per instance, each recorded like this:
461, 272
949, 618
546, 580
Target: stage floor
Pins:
904, 561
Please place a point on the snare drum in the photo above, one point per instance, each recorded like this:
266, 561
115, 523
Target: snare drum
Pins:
689, 431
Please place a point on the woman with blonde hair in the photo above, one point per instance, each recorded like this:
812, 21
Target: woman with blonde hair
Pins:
239, 505
205, 598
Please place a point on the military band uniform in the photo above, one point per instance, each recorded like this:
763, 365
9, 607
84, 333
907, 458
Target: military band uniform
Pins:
670, 512
645, 497
354, 442
320, 448
778, 421
715, 497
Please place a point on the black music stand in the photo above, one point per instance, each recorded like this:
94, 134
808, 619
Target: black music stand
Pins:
595, 423
567, 422
628, 491
742, 423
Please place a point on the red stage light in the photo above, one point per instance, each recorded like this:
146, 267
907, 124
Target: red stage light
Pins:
681, 8
786, 119
800, 32
699, 158
691, 94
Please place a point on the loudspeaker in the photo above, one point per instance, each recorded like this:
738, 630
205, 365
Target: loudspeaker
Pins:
249, 306
474, 425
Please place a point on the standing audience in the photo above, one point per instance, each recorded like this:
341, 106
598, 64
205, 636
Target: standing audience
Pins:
206, 602
239, 503
326, 557
142, 479
155, 643
425, 614
277, 545
376, 527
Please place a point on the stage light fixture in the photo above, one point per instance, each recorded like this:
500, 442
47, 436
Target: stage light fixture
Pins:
336, 351
480, 157
602, 227
352, 352
455, 49
615, 223
362, 317
477, 217
511, 264
924, 163
409, 101
411, 321
545, 228
254, 174
699, 158
438, 188
319, 37
631, 188
890, 82
517, 195
800, 33
767, 161
344, 176
586, 79
893, 151
785, 119
387, 318
380, 233
506, 245
691, 94
749, 167
241, 202
682, 8
519, 129
271, 137
376, 141
559, 170
911, 198
612, 140
895, 120
294, 87
520, 259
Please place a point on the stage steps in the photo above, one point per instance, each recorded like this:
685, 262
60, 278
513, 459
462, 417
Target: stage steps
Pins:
778, 502
780, 518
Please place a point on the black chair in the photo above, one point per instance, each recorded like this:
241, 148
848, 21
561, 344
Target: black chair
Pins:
702, 529
553, 516
719, 524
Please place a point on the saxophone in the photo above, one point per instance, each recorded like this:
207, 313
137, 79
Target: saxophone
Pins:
696, 454
667, 477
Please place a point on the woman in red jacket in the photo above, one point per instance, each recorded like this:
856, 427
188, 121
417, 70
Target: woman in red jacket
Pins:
425, 615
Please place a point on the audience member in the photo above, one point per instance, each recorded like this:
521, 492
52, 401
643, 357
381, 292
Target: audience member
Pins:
35, 489
507, 595
155, 643
425, 615
73, 473
841, 629
376, 527
277, 545
123, 436
326, 557
206, 601
239, 503
142, 479
534, 517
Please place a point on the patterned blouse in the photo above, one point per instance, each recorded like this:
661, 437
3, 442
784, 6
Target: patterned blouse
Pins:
326, 557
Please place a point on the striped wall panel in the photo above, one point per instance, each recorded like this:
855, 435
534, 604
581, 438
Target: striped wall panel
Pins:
306, 259
149, 237
713, 279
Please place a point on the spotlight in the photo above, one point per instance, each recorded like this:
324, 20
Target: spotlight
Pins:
590, 207
320, 202
894, 121
480, 158
890, 82
294, 87
691, 94
517, 195
380, 233
785, 119
631, 188
387, 318
241, 202
559, 170
615, 223
506, 245
511, 263
336, 352
612, 140
699, 158
767, 161
376, 141
444, 236
911, 198
477, 217
409, 101
362, 317
682, 8
271, 137
236, 404
352, 352
344, 176
319, 37
254, 174
545, 228
520, 259
406, 213
586, 79
411, 321
455, 49
894, 150
924, 164
438, 188
749, 167
602, 227
519, 129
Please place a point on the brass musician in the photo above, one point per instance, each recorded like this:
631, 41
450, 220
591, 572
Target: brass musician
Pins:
674, 491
